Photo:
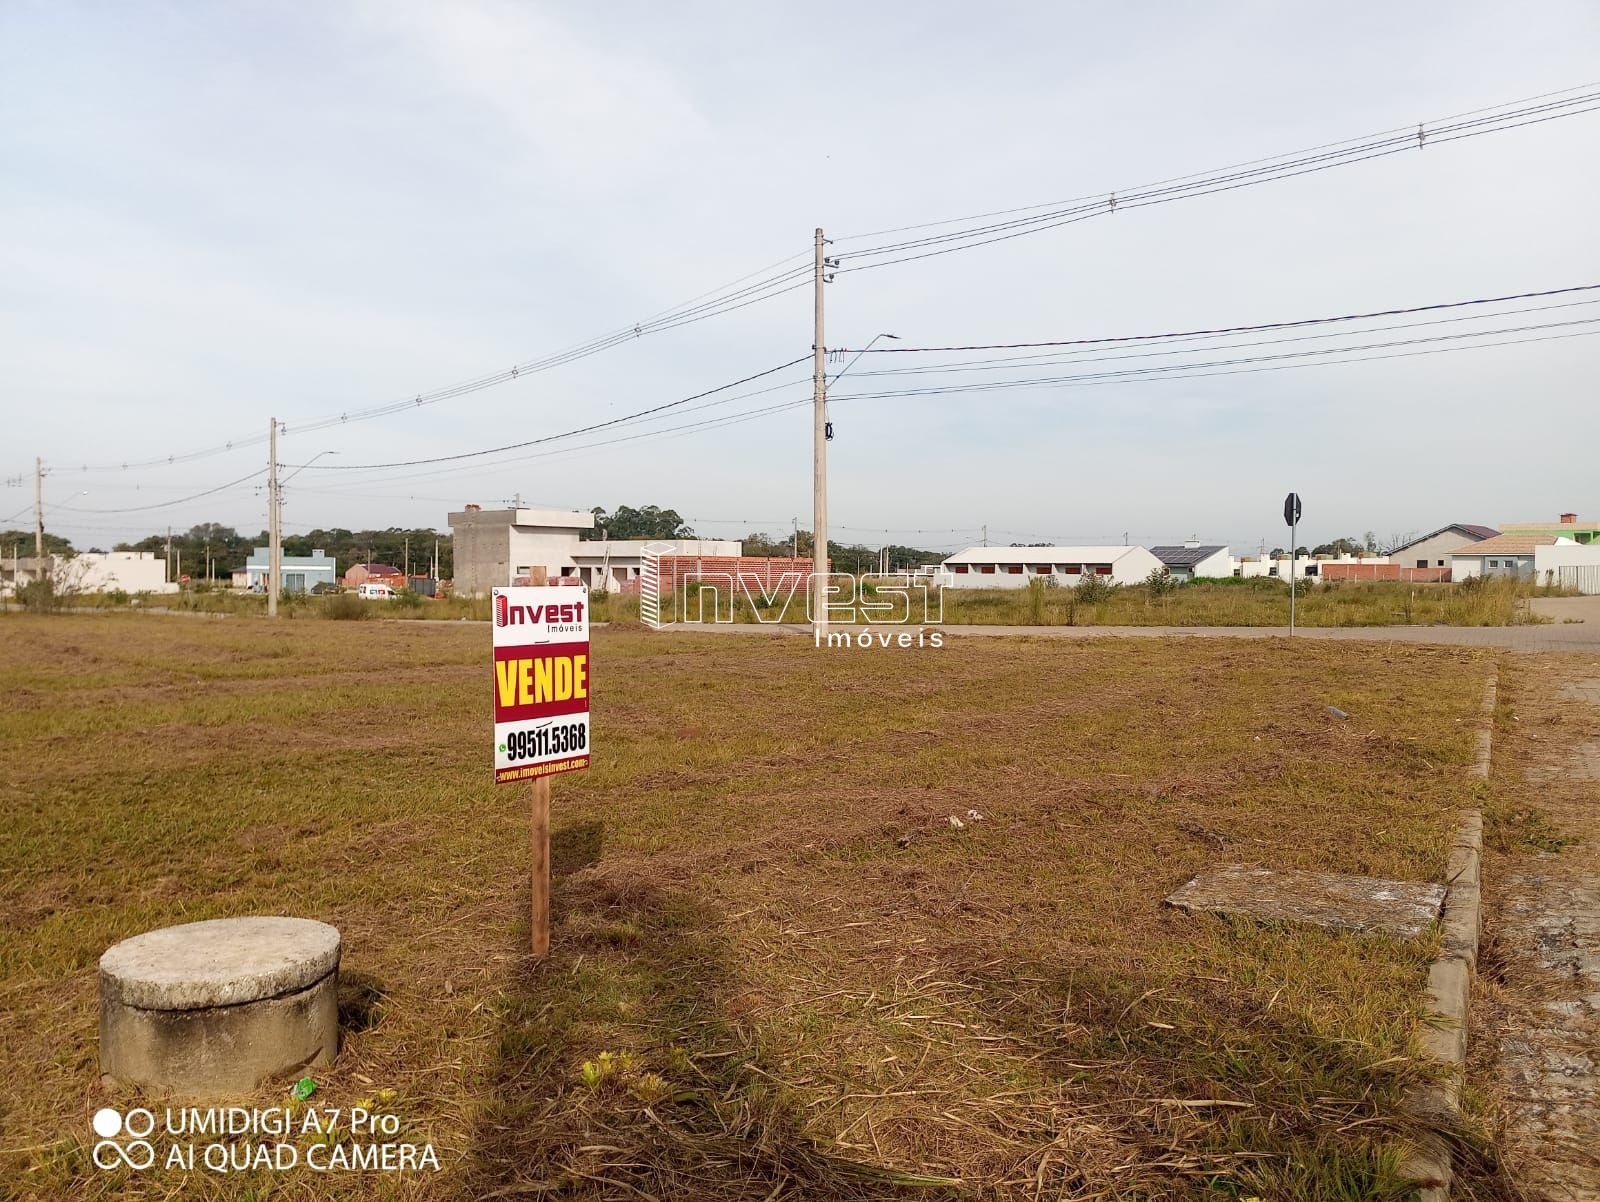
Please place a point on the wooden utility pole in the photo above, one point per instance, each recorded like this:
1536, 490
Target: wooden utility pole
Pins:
38, 514
539, 894
819, 388
274, 535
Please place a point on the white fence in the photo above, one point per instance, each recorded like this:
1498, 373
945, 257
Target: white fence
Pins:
1584, 578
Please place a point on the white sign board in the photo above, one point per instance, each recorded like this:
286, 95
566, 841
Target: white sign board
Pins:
541, 681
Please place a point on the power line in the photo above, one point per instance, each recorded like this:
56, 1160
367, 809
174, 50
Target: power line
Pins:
1165, 371
1174, 371
1222, 180
167, 504
739, 293
1237, 365
1192, 346
682, 315
1184, 371
515, 446
1100, 196
1217, 331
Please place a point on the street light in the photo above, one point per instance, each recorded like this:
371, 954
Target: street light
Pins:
876, 338
303, 467
822, 435
275, 528
849, 365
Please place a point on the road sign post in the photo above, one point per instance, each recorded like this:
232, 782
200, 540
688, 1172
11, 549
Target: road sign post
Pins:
541, 709
1291, 515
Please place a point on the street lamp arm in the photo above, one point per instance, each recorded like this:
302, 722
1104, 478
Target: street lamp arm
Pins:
858, 354
303, 466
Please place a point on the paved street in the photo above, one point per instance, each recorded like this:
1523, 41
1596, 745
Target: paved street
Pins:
1574, 625
1545, 916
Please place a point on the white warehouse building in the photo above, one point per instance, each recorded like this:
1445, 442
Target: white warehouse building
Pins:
1014, 567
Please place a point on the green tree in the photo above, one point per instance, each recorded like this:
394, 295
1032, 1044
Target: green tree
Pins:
222, 547
20, 542
228, 550
649, 521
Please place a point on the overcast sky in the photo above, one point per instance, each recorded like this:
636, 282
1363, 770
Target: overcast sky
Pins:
215, 213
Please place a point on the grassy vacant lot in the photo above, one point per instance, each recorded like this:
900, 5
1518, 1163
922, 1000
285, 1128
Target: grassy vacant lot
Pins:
1256, 602
1499, 601
809, 983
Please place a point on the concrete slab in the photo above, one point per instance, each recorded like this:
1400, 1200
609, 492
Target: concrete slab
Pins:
222, 962
1582, 690
1325, 899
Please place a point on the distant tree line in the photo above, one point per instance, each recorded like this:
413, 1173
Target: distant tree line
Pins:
652, 521
20, 542
227, 550
845, 557
1367, 544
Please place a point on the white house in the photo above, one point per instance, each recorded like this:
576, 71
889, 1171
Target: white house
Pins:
498, 547
1434, 550
1503, 555
1193, 561
1014, 567
1265, 565
92, 572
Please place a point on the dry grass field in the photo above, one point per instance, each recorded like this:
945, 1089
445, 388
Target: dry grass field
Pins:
778, 969
1497, 601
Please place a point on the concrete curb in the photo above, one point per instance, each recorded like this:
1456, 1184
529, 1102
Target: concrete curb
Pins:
1444, 1038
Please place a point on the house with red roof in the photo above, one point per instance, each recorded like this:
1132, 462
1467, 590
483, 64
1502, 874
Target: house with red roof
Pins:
375, 573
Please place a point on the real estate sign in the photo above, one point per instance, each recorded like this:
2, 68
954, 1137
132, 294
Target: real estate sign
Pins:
541, 682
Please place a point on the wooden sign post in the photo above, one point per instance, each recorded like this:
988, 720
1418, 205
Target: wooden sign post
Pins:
539, 894
541, 709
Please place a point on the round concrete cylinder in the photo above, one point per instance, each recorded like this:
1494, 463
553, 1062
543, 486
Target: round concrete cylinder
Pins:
209, 1010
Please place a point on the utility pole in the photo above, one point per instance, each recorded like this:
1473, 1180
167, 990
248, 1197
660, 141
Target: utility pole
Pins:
986, 534
794, 552
169, 553
435, 567
38, 514
407, 568
274, 534
819, 389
